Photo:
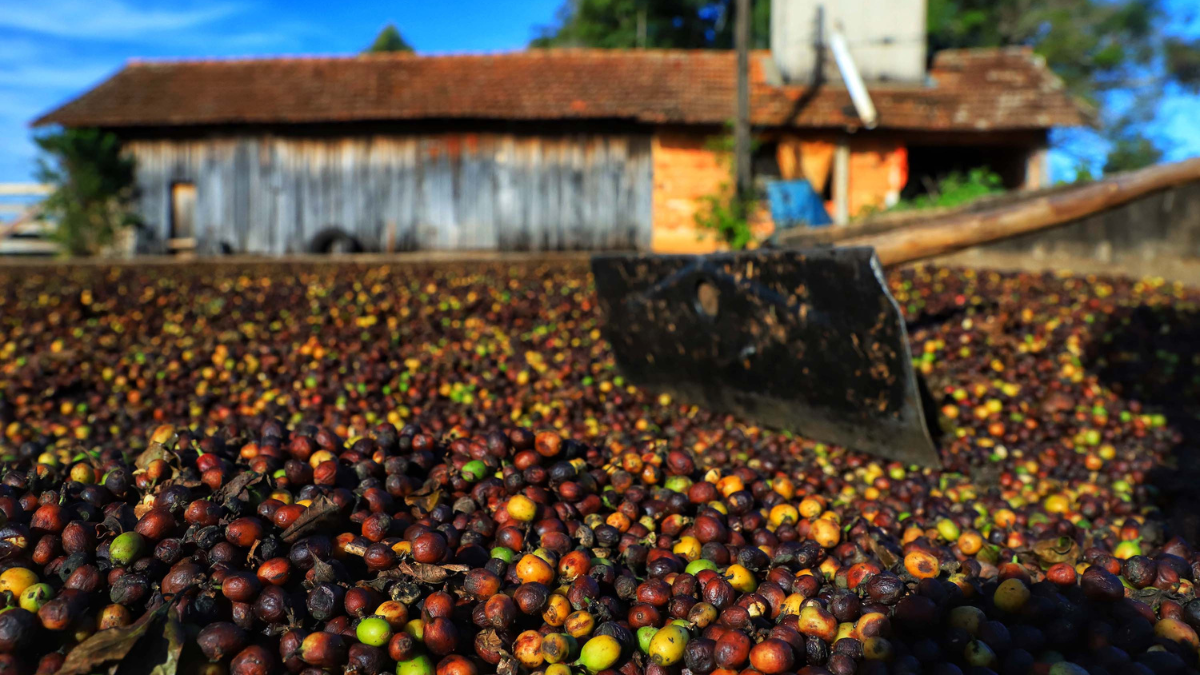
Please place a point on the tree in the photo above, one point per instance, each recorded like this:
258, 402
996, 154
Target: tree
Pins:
1131, 152
388, 40
1121, 56
653, 24
93, 193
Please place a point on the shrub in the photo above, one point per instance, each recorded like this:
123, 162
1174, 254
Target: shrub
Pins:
93, 188
956, 189
727, 217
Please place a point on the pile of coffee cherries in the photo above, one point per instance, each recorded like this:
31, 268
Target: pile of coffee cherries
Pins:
512, 551
343, 467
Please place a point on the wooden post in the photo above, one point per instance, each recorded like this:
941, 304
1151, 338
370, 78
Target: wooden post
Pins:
841, 182
641, 26
741, 30
1037, 168
963, 230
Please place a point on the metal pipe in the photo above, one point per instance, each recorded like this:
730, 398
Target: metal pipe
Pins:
741, 30
854, 82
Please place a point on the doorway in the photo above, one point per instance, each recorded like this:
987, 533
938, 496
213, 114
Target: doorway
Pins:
182, 239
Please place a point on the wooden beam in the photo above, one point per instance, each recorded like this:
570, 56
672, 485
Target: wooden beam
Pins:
960, 231
28, 247
23, 189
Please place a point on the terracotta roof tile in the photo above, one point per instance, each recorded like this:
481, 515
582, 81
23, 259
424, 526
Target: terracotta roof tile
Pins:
975, 89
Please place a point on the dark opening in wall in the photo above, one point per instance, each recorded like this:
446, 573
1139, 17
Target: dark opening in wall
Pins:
929, 164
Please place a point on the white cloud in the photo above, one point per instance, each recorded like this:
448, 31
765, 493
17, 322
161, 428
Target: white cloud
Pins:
106, 19
53, 50
74, 77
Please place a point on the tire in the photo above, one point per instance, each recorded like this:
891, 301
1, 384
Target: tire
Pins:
334, 241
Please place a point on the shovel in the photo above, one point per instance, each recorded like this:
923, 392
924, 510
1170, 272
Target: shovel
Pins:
805, 340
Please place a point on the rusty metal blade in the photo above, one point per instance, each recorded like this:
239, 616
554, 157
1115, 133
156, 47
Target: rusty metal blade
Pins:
809, 341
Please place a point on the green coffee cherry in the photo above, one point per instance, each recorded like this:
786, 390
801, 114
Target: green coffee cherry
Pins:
373, 631
474, 470
33, 597
126, 548
417, 665
644, 635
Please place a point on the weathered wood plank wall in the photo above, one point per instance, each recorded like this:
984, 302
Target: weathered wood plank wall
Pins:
276, 194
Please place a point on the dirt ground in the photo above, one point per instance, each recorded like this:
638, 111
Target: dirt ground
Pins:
1172, 270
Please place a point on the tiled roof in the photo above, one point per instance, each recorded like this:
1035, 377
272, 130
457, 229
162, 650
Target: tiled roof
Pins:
994, 89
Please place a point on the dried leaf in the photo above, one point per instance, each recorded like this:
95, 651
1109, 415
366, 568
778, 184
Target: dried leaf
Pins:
108, 645
323, 572
426, 574
382, 584
173, 632
508, 666
426, 501
155, 451
1056, 550
885, 554
321, 511
234, 487
488, 641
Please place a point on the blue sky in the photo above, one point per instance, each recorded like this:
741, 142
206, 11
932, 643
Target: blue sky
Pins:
52, 50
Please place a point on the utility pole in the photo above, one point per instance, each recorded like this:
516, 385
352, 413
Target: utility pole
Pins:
741, 130
641, 26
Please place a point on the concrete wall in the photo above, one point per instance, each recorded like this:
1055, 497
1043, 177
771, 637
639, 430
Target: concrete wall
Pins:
1160, 227
886, 37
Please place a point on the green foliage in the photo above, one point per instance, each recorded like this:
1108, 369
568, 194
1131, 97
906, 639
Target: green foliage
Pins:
1095, 46
1131, 152
727, 217
388, 40
665, 24
1183, 61
1086, 42
725, 214
93, 188
1083, 174
956, 189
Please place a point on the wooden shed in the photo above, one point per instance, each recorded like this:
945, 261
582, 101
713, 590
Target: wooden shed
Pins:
536, 150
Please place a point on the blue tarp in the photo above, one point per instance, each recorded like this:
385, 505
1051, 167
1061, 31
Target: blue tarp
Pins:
794, 203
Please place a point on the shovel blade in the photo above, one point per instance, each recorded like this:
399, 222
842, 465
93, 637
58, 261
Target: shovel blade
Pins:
805, 340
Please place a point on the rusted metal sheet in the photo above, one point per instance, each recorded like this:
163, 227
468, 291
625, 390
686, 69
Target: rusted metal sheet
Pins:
277, 194
810, 341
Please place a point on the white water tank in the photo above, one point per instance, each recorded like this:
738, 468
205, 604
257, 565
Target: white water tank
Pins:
886, 38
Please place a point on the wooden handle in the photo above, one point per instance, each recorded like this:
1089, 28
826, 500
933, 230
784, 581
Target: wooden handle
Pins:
957, 232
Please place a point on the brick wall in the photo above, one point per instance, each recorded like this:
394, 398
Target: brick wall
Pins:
878, 172
685, 170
